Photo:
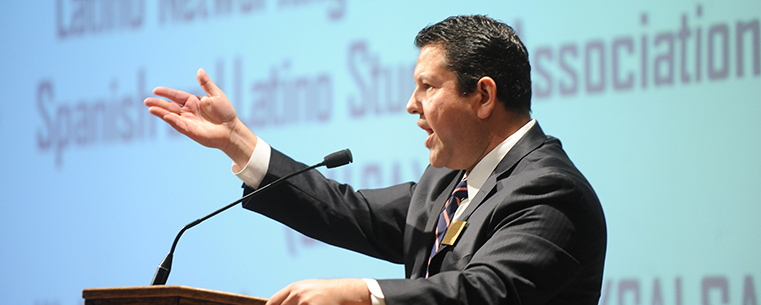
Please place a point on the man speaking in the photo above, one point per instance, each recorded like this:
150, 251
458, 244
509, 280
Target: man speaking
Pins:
501, 215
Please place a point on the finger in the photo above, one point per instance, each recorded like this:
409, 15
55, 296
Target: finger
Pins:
208, 86
278, 297
177, 96
159, 103
176, 122
173, 119
158, 111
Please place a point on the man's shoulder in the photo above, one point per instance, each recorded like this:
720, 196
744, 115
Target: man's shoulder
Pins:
548, 165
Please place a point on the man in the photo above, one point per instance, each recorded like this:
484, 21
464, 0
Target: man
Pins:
530, 229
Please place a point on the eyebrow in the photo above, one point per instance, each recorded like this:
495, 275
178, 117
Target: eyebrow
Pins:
424, 78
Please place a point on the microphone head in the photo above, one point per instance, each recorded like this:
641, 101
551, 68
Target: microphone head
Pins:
338, 158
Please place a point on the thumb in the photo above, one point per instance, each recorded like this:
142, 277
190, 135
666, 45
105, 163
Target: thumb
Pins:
208, 86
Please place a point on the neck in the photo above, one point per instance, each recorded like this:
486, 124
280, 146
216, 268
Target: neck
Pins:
498, 128
504, 126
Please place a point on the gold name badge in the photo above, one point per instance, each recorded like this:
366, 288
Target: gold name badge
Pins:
453, 232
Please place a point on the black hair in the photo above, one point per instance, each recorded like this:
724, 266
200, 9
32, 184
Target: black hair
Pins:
477, 46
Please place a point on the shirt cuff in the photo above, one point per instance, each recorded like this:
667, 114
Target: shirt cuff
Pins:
253, 173
376, 294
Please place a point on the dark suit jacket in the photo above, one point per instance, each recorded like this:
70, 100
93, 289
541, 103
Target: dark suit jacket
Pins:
535, 232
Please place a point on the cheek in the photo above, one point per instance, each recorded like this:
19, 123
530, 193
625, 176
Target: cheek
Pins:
433, 111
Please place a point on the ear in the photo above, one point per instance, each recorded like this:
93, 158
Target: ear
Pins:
486, 90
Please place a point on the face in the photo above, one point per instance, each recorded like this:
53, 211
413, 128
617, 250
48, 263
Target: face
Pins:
448, 117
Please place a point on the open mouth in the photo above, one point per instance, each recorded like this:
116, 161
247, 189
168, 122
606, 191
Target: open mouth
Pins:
429, 131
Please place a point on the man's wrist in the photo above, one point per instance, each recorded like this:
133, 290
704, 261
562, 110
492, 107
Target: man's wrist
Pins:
241, 144
252, 173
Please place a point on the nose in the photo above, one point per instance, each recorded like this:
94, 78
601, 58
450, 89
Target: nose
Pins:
413, 106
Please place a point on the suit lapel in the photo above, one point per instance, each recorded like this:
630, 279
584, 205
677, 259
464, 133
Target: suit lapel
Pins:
422, 254
438, 205
532, 140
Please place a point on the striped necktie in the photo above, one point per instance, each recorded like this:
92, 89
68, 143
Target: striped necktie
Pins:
445, 218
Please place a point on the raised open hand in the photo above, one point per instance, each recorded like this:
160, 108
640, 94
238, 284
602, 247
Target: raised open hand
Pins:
209, 120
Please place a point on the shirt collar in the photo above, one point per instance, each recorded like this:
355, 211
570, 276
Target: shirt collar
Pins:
486, 166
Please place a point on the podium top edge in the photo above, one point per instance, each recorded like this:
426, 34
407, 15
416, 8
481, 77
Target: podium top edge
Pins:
169, 291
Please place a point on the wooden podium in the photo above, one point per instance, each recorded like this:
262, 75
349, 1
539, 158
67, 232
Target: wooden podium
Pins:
165, 295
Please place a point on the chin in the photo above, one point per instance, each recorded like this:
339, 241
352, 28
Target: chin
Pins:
433, 161
437, 162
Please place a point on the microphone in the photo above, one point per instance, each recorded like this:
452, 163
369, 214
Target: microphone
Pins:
335, 159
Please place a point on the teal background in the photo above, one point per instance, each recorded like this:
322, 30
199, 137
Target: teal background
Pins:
95, 204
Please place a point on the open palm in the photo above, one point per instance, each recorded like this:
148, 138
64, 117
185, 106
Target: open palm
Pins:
209, 120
